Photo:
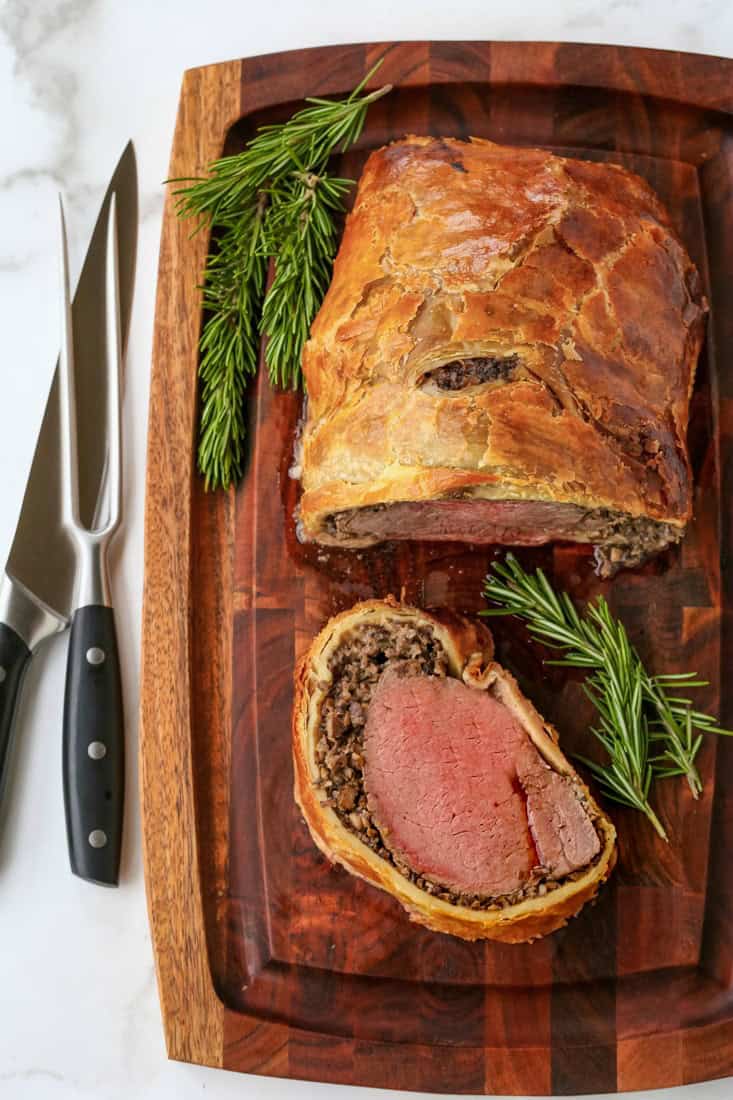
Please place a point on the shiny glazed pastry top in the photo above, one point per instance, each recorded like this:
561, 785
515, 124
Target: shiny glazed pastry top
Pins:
505, 354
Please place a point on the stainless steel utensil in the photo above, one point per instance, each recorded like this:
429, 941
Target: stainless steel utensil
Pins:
37, 590
93, 737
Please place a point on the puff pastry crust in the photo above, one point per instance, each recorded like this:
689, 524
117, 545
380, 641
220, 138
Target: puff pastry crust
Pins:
469, 648
468, 249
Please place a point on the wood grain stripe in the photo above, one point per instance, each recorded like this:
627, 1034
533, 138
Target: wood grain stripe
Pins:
192, 1014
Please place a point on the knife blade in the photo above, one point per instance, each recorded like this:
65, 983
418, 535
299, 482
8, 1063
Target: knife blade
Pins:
37, 588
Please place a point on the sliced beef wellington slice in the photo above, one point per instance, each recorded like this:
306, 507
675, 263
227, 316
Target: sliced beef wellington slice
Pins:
420, 767
460, 793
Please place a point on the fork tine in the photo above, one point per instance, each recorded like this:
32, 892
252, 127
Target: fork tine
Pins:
67, 389
113, 343
101, 517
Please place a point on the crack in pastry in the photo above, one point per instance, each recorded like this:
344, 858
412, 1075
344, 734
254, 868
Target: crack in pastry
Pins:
460, 374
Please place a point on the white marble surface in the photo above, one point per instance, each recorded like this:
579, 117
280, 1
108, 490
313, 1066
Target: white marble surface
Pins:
78, 1005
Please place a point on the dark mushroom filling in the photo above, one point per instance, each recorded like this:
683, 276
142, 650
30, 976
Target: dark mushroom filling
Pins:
459, 374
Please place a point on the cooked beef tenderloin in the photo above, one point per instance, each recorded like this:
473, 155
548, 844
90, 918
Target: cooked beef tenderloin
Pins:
407, 752
619, 540
460, 793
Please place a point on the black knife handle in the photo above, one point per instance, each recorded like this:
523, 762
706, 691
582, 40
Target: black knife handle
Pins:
94, 748
14, 658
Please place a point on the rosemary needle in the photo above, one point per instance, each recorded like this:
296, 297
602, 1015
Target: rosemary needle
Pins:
645, 731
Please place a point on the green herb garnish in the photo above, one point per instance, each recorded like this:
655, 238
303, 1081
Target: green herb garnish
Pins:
646, 732
274, 201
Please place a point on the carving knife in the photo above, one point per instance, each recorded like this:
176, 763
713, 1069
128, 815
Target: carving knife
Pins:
38, 587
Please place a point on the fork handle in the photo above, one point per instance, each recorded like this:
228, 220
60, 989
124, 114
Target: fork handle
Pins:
93, 747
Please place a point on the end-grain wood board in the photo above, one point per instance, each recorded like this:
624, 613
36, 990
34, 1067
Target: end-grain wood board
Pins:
271, 962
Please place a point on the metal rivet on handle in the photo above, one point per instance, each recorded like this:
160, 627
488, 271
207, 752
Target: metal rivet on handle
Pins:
97, 750
97, 838
96, 656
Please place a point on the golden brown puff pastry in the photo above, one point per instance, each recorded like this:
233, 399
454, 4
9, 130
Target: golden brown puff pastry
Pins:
341, 674
503, 325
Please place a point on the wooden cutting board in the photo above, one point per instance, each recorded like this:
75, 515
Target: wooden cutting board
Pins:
268, 960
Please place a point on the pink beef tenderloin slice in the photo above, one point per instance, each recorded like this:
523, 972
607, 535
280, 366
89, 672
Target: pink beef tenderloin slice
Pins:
461, 794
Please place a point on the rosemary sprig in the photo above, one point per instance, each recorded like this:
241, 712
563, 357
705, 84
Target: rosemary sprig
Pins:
232, 297
275, 200
645, 732
302, 234
307, 139
673, 725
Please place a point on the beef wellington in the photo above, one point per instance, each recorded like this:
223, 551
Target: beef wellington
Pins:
420, 767
505, 355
